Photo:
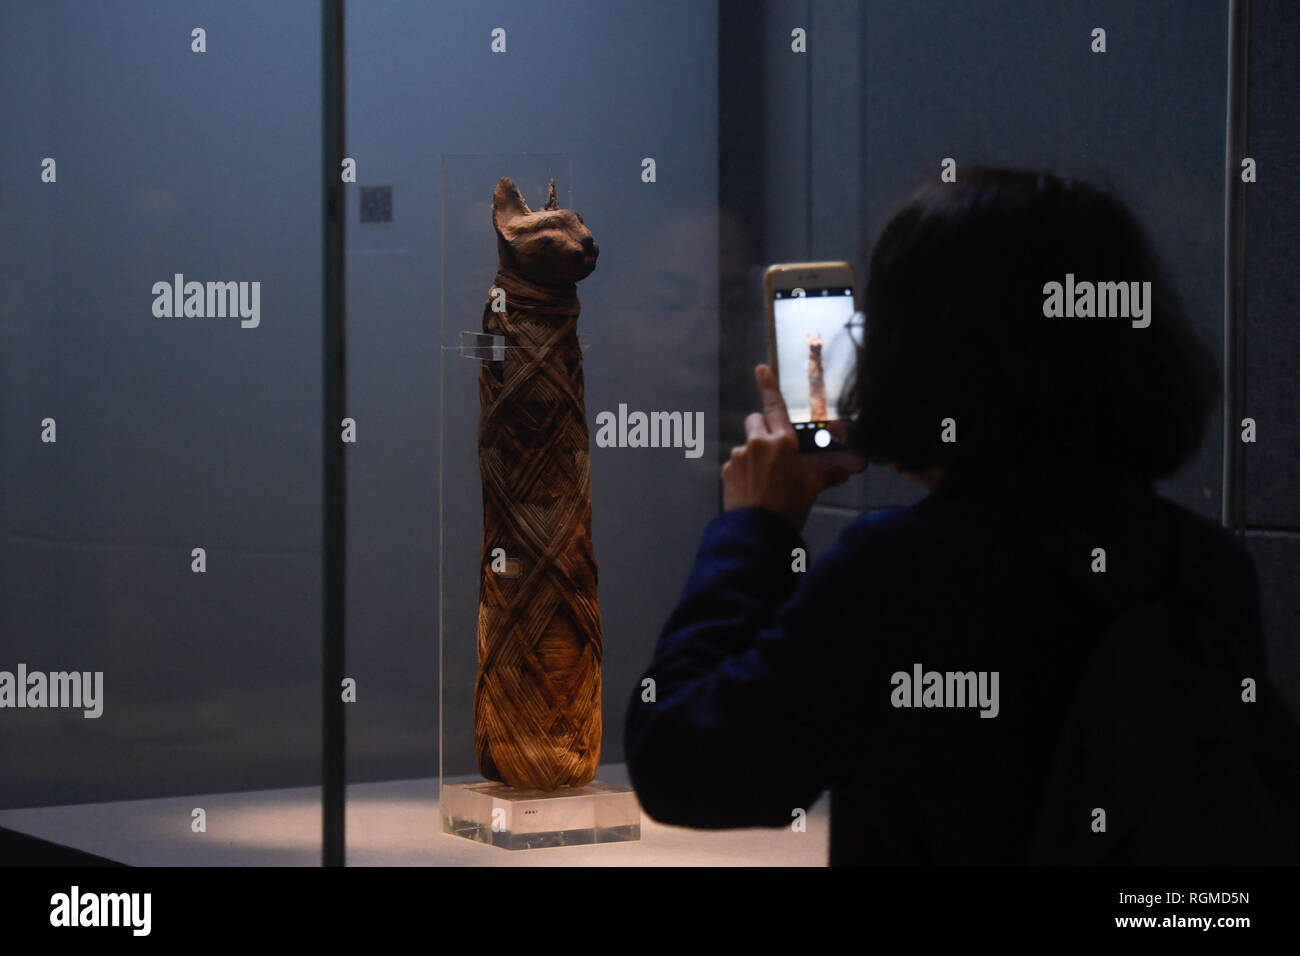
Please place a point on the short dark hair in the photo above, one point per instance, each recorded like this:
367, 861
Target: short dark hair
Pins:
955, 328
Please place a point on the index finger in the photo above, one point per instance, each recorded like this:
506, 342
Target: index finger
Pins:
778, 419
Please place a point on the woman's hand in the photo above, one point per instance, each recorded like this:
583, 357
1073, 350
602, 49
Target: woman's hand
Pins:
768, 471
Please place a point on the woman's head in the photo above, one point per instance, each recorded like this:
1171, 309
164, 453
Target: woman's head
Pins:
956, 330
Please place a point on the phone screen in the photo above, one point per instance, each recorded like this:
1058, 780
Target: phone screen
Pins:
815, 355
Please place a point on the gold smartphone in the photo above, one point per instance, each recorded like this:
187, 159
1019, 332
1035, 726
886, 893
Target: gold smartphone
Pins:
812, 335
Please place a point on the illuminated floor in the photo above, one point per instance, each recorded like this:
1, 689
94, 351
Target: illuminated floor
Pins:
388, 824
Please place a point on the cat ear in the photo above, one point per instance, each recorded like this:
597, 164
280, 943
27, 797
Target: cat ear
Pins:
507, 203
551, 201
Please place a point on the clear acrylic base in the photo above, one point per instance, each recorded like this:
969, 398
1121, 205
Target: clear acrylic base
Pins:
513, 819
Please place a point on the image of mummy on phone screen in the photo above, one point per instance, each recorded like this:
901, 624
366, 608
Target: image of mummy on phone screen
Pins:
815, 350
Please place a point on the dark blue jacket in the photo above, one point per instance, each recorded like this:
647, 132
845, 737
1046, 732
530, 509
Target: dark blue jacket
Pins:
771, 686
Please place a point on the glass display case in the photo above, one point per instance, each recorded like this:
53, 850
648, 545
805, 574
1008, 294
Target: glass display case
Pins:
160, 445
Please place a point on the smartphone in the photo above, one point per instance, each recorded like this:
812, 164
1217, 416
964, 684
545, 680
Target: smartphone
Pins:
813, 327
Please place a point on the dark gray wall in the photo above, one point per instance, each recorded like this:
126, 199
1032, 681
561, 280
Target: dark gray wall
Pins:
1272, 500
888, 90
1015, 83
173, 433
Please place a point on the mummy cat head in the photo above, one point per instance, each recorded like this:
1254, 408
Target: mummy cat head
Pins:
550, 246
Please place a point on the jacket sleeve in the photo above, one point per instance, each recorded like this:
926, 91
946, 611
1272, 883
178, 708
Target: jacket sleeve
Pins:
758, 679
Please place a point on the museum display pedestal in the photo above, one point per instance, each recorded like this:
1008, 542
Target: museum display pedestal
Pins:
390, 823
518, 819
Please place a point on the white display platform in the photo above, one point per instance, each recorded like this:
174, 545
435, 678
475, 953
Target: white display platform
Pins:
393, 823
